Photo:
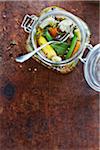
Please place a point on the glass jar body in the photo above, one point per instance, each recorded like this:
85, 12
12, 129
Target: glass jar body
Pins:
64, 67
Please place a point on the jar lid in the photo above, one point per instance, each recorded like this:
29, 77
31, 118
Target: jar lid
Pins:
92, 68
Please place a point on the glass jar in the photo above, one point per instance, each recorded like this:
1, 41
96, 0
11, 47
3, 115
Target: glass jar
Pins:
30, 23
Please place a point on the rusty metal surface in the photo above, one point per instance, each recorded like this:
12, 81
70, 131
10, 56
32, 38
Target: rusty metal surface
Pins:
41, 109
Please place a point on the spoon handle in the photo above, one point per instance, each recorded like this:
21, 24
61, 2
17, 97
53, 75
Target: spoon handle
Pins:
25, 57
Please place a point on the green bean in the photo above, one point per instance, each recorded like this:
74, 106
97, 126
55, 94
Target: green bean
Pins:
71, 48
48, 36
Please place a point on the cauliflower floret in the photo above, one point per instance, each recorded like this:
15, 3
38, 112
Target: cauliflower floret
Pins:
49, 21
65, 25
56, 59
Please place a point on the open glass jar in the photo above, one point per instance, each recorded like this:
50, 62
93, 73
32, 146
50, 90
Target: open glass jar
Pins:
30, 24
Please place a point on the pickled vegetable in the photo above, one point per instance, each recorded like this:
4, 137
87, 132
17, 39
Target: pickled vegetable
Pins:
48, 50
49, 21
56, 59
72, 46
78, 43
53, 31
60, 48
48, 36
78, 34
62, 29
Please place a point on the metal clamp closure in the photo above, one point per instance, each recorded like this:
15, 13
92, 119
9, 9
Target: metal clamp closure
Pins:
88, 46
28, 22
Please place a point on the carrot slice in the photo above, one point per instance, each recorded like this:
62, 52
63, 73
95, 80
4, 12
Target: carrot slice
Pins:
77, 46
53, 31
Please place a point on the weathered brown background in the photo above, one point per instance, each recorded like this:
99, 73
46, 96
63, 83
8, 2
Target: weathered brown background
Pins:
41, 109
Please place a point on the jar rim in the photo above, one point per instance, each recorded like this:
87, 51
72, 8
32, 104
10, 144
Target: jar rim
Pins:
72, 17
